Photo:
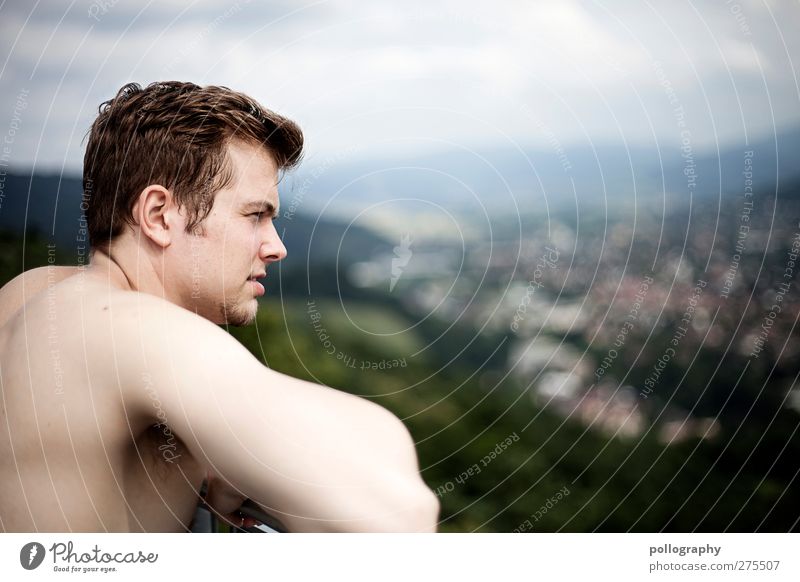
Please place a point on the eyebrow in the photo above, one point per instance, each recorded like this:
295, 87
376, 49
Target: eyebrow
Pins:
261, 206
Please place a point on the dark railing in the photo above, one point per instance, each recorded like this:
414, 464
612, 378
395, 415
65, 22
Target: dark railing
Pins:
207, 520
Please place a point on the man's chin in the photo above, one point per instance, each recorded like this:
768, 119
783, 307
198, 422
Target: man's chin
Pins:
239, 315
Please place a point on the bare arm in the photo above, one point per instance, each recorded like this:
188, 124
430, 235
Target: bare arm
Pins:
316, 458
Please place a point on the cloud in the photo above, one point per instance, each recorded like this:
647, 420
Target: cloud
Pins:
384, 73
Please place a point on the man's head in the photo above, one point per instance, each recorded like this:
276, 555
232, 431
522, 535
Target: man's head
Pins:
191, 173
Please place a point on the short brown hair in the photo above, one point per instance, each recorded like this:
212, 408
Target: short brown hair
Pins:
174, 134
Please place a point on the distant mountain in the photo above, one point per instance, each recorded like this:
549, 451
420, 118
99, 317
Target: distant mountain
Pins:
527, 180
45, 204
49, 205
343, 204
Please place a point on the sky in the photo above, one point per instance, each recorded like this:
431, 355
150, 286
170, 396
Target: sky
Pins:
381, 78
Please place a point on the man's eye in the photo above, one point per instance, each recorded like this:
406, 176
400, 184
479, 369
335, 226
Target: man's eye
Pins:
256, 215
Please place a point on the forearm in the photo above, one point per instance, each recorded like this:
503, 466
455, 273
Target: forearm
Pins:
412, 510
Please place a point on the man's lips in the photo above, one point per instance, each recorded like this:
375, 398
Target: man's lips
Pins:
257, 286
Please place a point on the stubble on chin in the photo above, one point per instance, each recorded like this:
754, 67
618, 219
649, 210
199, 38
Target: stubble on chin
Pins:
237, 314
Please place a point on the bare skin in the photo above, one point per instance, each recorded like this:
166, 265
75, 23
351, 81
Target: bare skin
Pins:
120, 395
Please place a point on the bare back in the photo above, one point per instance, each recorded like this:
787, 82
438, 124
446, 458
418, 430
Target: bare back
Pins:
71, 458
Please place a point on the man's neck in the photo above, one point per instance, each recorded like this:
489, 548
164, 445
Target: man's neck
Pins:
129, 271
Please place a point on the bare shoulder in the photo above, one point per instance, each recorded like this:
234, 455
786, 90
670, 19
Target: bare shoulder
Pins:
148, 330
27, 285
156, 337
275, 439
213, 380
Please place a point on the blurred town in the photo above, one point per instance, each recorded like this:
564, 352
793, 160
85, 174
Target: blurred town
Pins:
595, 313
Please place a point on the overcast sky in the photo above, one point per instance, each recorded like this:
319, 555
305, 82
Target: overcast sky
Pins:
381, 77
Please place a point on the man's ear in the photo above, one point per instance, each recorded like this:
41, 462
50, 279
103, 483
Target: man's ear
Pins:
156, 213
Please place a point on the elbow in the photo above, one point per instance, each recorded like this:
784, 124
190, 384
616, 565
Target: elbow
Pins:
427, 512
420, 506
412, 509
417, 511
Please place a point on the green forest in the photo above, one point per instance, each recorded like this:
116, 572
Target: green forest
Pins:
498, 460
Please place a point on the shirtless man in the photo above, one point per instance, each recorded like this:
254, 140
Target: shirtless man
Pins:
120, 395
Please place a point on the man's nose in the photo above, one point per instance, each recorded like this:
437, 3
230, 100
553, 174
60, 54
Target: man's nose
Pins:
272, 249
